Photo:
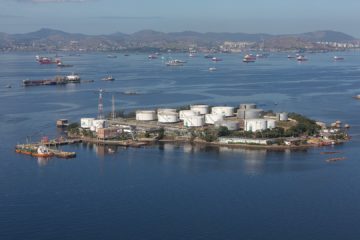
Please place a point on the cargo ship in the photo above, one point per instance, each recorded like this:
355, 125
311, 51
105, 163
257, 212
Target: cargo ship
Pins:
40, 151
58, 80
45, 82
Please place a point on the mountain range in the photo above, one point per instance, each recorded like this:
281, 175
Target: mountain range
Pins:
45, 37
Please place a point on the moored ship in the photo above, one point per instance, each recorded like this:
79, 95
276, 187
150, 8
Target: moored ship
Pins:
40, 151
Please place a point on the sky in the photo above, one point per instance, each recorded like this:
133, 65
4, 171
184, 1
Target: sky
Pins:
128, 16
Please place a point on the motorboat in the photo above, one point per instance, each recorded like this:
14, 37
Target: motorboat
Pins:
301, 58
215, 59
337, 58
175, 62
108, 78
152, 56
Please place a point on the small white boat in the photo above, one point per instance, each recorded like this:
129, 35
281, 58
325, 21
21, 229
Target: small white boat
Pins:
212, 69
215, 59
108, 78
175, 62
337, 58
301, 58
74, 77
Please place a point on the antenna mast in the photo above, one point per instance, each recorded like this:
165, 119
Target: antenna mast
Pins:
100, 106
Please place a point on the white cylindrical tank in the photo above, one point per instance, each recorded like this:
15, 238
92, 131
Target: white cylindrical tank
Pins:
255, 124
86, 122
223, 110
241, 113
161, 110
194, 121
212, 118
187, 113
145, 115
202, 109
283, 116
168, 117
271, 123
253, 113
230, 125
248, 106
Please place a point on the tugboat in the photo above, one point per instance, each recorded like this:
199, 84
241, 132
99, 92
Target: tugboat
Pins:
301, 58
249, 58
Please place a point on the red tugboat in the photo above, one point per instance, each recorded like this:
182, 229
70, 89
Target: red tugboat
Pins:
249, 58
47, 60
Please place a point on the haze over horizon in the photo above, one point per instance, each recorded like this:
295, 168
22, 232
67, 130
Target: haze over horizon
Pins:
109, 16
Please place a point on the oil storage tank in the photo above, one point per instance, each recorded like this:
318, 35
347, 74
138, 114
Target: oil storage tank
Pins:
225, 111
249, 113
247, 106
213, 118
202, 109
271, 123
168, 117
160, 110
255, 124
283, 116
145, 115
253, 113
187, 113
194, 121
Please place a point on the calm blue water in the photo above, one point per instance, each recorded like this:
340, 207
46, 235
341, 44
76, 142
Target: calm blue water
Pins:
170, 191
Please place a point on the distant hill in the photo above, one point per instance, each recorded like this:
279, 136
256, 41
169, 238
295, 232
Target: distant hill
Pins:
154, 39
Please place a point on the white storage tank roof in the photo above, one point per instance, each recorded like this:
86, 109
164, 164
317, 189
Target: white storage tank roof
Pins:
194, 121
160, 110
86, 122
202, 109
213, 118
253, 113
145, 115
168, 117
187, 113
225, 111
